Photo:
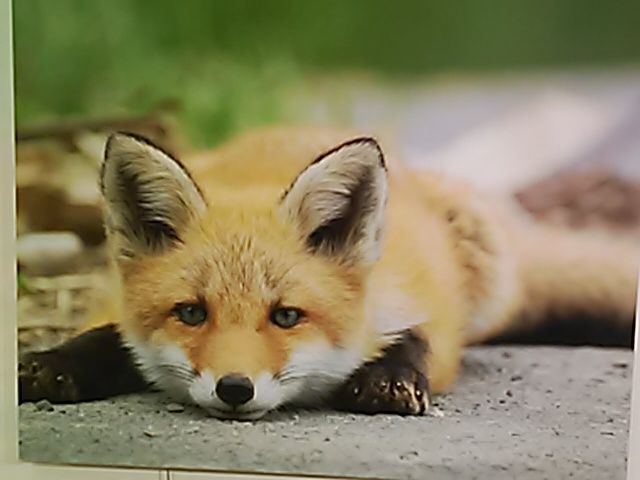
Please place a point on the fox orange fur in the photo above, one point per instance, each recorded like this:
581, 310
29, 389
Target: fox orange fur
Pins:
299, 265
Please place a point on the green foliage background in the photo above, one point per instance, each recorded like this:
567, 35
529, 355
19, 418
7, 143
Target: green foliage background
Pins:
228, 65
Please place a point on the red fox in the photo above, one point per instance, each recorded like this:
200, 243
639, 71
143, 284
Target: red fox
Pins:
299, 266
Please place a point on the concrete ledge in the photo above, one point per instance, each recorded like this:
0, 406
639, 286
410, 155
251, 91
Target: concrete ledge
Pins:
526, 413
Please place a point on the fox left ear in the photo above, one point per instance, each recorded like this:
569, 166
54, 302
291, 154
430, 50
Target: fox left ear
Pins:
149, 196
338, 201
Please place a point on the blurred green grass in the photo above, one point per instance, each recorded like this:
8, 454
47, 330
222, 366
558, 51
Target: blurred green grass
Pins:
229, 65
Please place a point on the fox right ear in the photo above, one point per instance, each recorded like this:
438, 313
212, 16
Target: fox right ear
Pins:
149, 196
338, 202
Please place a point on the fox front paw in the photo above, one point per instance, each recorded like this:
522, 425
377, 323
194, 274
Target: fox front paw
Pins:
43, 376
385, 388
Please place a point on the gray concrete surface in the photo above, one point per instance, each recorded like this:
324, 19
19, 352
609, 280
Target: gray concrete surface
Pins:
525, 413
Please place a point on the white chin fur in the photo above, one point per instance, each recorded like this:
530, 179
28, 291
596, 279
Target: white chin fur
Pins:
312, 373
269, 394
166, 365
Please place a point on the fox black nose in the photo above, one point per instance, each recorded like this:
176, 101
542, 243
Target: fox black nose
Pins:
234, 390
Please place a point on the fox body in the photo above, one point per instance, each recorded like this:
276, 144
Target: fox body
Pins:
304, 266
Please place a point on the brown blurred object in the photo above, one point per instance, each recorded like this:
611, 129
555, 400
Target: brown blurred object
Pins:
45, 208
585, 199
57, 170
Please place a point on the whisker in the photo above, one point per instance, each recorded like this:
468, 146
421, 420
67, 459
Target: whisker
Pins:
185, 377
292, 374
288, 374
177, 366
177, 371
182, 368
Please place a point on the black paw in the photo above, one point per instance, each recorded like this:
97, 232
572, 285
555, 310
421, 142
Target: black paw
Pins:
383, 387
43, 375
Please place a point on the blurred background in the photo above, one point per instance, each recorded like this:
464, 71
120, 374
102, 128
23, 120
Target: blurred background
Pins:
535, 99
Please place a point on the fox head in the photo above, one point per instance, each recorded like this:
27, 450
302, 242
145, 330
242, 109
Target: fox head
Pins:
243, 306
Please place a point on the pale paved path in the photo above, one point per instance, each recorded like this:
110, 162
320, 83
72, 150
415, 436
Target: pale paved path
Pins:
526, 413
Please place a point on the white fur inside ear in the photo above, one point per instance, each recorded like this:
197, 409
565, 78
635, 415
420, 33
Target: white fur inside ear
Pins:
149, 196
338, 201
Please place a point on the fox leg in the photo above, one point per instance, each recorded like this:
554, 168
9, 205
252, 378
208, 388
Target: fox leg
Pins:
90, 366
396, 382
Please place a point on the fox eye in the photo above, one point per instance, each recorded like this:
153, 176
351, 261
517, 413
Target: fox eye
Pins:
190, 313
286, 317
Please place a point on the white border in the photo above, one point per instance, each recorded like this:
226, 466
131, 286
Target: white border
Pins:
8, 421
10, 466
633, 465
